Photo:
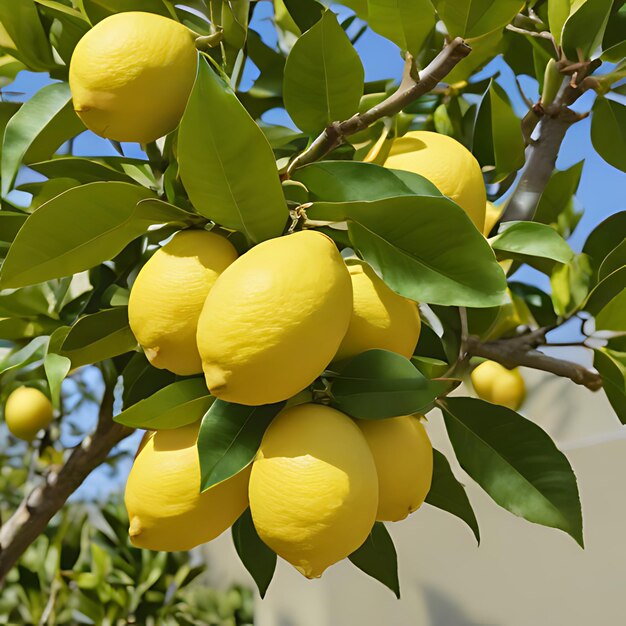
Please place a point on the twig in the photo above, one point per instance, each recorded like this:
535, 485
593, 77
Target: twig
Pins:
413, 86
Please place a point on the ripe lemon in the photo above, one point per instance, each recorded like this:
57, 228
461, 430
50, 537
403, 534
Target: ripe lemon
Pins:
131, 76
167, 297
448, 164
380, 317
26, 412
495, 383
313, 487
492, 215
404, 461
165, 507
274, 319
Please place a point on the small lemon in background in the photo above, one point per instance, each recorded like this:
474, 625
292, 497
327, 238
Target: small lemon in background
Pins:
404, 461
497, 384
131, 75
313, 487
26, 412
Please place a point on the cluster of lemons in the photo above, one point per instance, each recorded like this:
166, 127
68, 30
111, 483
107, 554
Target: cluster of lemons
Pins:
261, 327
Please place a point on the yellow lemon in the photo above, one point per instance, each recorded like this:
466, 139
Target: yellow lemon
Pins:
167, 297
131, 76
380, 317
404, 461
495, 383
448, 164
26, 412
313, 487
492, 215
165, 507
274, 319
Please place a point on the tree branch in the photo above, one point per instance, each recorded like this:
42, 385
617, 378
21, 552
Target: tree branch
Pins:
33, 514
412, 87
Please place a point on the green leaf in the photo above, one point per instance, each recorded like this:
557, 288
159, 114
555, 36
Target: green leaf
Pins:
141, 380
354, 181
515, 462
472, 18
378, 384
377, 558
407, 23
181, 403
97, 10
424, 247
10, 223
217, 142
305, 13
613, 261
81, 228
532, 243
608, 131
614, 42
46, 119
323, 79
612, 368
604, 292
229, 437
447, 493
30, 353
538, 302
56, 368
570, 284
69, 28
603, 239
99, 336
256, 557
484, 49
86, 170
584, 29
498, 141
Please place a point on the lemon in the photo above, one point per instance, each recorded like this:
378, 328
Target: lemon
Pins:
167, 297
165, 507
381, 319
448, 164
131, 76
26, 412
492, 215
313, 487
404, 461
274, 319
495, 383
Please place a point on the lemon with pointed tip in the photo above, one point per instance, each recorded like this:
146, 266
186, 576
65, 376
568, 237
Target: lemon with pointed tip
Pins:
497, 384
168, 295
492, 215
448, 164
313, 487
26, 412
404, 462
381, 319
165, 507
131, 75
274, 319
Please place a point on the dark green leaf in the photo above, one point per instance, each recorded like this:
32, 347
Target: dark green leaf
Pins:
323, 79
229, 437
141, 380
256, 557
10, 223
218, 137
377, 558
608, 131
538, 302
176, 405
448, 494
271, 66
86, 170
305, 13
605, 291
612, 368
515, 462
97, 10
613, 260
603, 239
472, 18
584, 28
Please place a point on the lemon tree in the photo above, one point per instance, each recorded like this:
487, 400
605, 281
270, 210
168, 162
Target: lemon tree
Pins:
283, 306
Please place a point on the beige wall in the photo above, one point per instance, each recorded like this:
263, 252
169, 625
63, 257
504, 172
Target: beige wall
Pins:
521, 575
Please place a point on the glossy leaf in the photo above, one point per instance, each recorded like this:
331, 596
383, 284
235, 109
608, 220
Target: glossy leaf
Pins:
141, 380
515, 462
217, 142
584, 28
56, 368
378, 384
613, 261
377, 558
256, 557
570, 284
323, 79
447, 493
604, 238
229, 438
612, 368
425, 248
608, 131
86, 170
472, 18
305, 13
604, 292
31, 352
181, 403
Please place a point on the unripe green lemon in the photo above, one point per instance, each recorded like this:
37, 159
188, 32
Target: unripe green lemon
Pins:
26, 412
404, 461
274, 319
497, 384
167, 297
381, 319
446, 163
165, 507
313, 487
131, 76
